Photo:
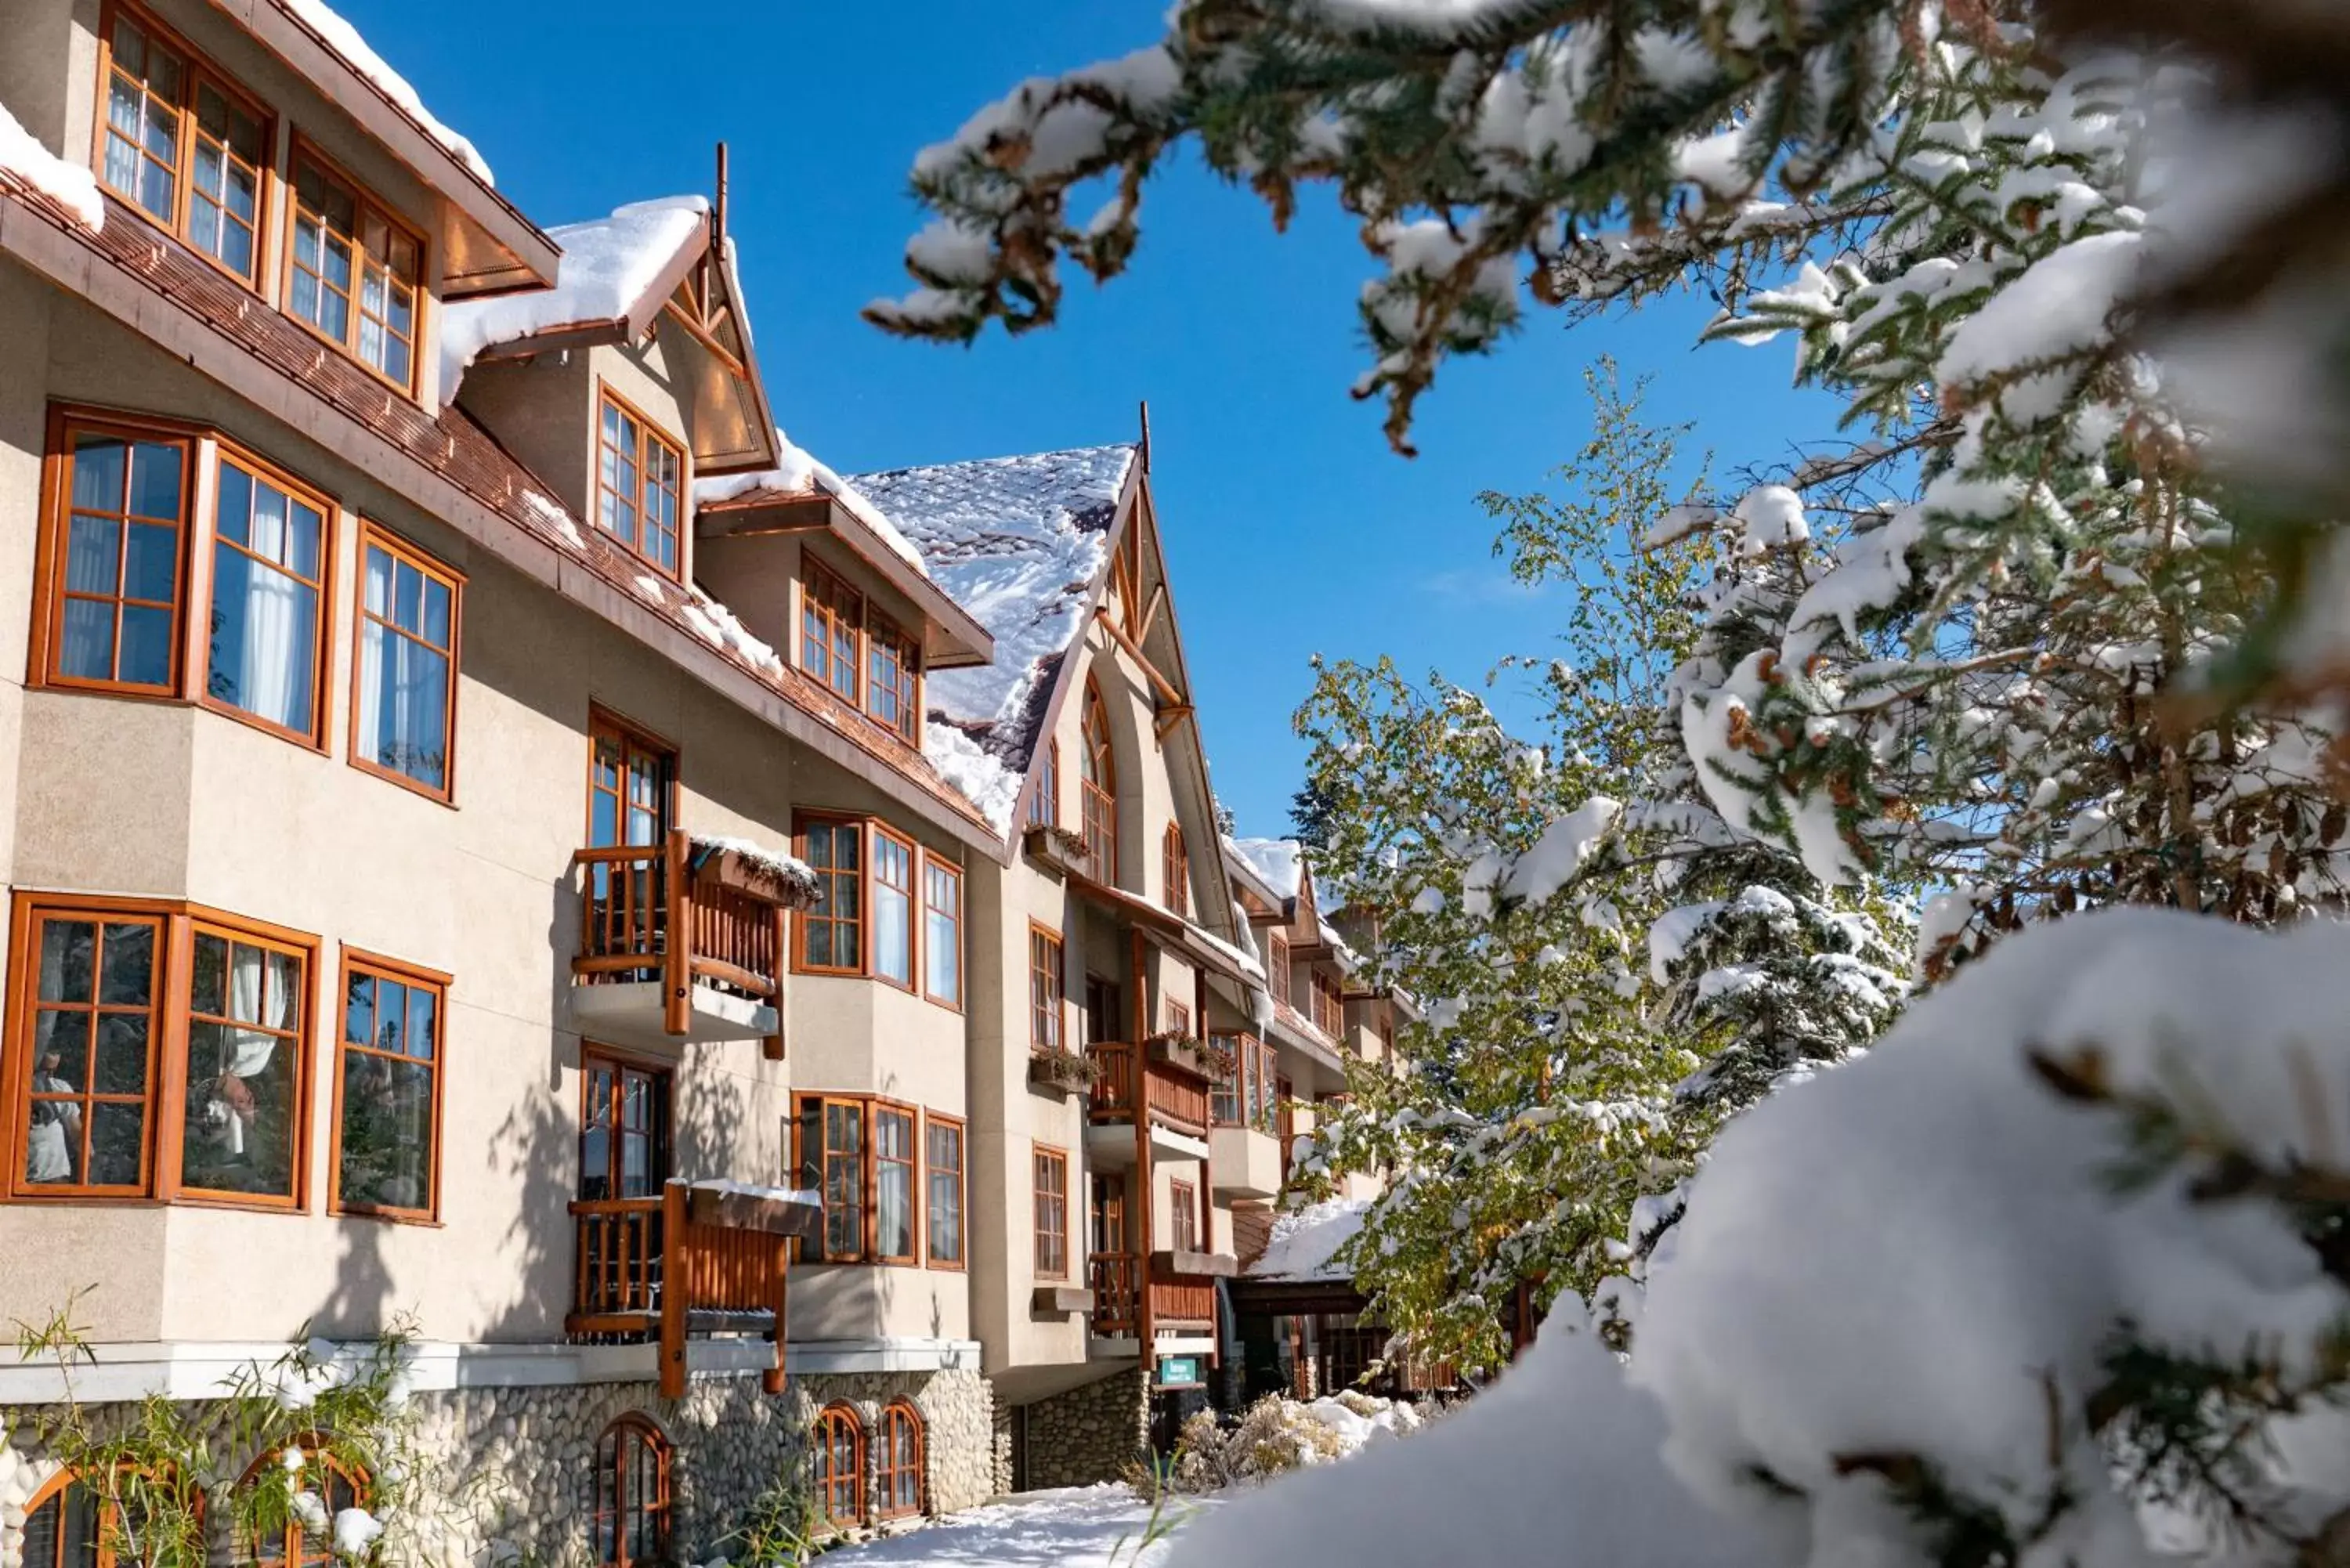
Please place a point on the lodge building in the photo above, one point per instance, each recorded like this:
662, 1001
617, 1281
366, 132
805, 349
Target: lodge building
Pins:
741, 960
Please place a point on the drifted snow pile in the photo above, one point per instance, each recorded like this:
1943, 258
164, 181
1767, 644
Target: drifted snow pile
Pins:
1277, 1433
1920, 1308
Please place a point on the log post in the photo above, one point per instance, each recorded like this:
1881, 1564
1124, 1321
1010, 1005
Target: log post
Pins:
772, 1048
675, 1291
677, 959
771, 1380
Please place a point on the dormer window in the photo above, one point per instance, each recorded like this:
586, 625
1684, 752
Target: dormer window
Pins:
1099, 784
181, 145
640, 473
354, 272
859, 655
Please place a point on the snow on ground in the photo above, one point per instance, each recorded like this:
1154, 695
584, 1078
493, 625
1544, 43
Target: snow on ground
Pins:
1072, 1527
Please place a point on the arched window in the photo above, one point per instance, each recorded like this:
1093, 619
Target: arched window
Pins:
71, 1525
840, 1465
631, 1518
901, 1461
309, 1539
1100, 789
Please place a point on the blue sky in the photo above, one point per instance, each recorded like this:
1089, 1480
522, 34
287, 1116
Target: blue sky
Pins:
1292, 530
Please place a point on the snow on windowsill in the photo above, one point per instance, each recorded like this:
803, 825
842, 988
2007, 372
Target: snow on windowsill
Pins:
70, 184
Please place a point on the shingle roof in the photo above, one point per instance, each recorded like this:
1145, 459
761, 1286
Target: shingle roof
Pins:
1019, 542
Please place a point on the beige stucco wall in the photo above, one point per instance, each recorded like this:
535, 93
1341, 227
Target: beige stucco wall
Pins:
166, 801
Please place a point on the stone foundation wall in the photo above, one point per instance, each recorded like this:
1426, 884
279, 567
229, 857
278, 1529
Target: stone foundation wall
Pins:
1091, 1433
506, 1474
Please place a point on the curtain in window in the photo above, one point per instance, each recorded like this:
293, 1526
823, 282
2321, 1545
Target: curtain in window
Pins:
265, 600
239, 1130
404, 696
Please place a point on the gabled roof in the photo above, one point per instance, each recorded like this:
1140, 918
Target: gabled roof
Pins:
620, 275
1021, 542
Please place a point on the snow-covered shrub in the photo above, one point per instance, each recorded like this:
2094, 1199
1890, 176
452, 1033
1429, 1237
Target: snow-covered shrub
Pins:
1275, 1435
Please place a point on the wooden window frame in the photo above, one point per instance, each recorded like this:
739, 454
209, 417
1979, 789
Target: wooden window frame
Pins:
1056, 979
373, 535
317, 1449
1232, 1087
876, 1109
365, 204
1046, 1156
1175, 870
605, 722
1276, 965
801, 919
930, 1173
661, 1078
172, 977
417, 978
50, 592
650, 435
1097, 786
827, 597
876, 832
882, 634
1179, 1019
900, 1412
932, 866
196, 69
869, 1110
102, 1547
612, 1485
1329, 1003
828, 1480
1183, 1215
1045, 805
261, 469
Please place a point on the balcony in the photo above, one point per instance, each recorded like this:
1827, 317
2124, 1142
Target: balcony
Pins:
701, 1259
1169, 1097
683, 941
1140, 1297
1246, 1163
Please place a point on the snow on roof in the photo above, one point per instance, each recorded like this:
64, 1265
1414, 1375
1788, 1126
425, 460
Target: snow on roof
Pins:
1306, 1240
70, 184
799, 473
344, 39
1018, 542
607, 265
1280, 862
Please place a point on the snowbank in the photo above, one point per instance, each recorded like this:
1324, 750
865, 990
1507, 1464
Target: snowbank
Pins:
606, 265
70, 184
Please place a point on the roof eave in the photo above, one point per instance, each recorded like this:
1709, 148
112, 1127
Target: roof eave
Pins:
525, 256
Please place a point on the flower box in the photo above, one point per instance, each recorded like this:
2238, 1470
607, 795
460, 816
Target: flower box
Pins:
1180, 1051
1057, 849
1065, 1072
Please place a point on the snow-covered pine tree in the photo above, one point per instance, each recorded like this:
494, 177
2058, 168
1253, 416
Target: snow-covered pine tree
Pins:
1608, 969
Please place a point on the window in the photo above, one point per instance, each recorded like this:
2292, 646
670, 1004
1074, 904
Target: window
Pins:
941, 932
893, 908
1109, 1212
624, 1130
631, 778
830, 613
631, 1518
943, 1152
892, 666
128, 1014
241, 1130
1100, 786
893, 1185
1045, 805
830, 1147
1183, 1209
95, 1019
387, 1091
353, 271
1046, 989
1264, 1111
1176, 870
1276, 965
1329, 1005
1243, 1096
898, 1469
1052, 1213
403, 709
640, 476
269, 548
840, 1465
114, 558
63, 1526
832, 930
334, 1484
1225, 1099
180, 144
1178, 1020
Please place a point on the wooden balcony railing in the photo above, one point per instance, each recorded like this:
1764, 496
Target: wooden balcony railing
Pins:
1174, 1098
1135, 1295
695, 1259
638, 900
